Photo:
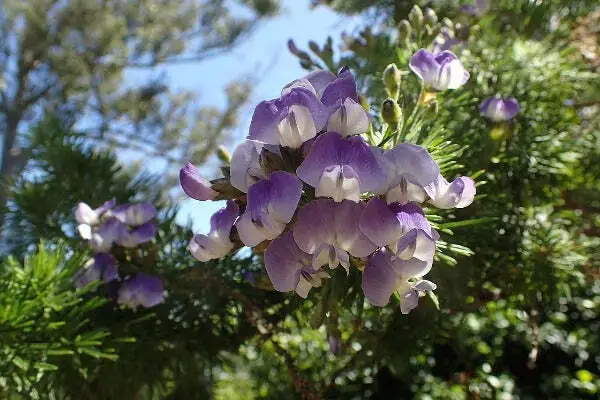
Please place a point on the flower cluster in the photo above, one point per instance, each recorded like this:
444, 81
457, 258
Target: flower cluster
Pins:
313, 192
127, 226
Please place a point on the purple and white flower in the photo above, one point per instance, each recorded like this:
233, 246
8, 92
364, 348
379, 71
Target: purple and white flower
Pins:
217, 242
458, 194
348, 117
290, 120
409, 169
329, 232
102, 267
272, 203
289, 268
141, 290
194, 185
387, 273
497, 109
106, 234
403, 228
87, 217
341, 168
439, 71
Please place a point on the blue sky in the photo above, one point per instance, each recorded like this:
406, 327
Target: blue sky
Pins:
265, 54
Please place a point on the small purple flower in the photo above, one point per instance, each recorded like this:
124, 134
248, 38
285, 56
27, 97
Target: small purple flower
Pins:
401, 227
135, 214
289, 268
289, 121
498, 110
217, 242
386, 273
409, 168
341, 168
245, 165
458, 194
195, 185
272, 203
329, 232
347, 117
141, 290
136, 236
439, 71
102, 267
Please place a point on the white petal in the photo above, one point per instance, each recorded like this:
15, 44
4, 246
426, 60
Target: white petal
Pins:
85, 231
338, 185
350, 119
85, 215
303, 287
297, 127
405, 192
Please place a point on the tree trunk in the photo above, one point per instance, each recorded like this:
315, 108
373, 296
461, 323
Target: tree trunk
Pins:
10, 161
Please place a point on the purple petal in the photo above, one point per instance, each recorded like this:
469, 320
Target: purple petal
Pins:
107, 205
350, 118
379, 223
102, 266
143, 233
106, 234
411, 216
379, 279
425, 66
343, 87
319, 80
458, 194
411, 163
331, 150
323, 223
135, 214
272, 203
141, 290
348, 235
84, 214
284, 261
195, 185
315, 225
245, 166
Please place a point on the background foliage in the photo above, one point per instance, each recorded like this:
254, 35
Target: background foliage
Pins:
517, 273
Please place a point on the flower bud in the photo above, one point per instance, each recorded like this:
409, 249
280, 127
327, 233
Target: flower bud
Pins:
223, 155
447, 22
404, 31
391, 112
392, 79
415, 16
431, 18
314, 47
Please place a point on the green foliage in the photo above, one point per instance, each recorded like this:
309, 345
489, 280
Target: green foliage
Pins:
45, 324
516, 310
